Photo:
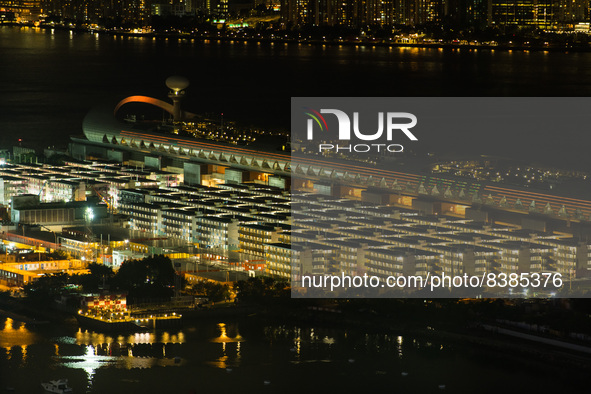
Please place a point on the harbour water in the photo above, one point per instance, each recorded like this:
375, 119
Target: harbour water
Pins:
250, 356
50, 79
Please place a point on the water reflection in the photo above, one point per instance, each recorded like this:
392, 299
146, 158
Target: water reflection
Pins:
15, 334
97, 350
230, 346
85, 337
219, 345
294, 358
314, 345
23, 355
89, 362
224, 338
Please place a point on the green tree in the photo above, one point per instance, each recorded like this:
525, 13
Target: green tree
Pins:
214, 291
47, 287
99, 274
149, 277
259, 288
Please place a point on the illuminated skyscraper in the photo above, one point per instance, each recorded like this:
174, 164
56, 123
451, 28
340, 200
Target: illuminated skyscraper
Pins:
359, 14
24, 10
569, 12
523, 13
469, 13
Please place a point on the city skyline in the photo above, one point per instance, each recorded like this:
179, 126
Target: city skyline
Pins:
472, 14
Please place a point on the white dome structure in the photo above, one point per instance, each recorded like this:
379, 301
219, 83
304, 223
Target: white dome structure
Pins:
177, 83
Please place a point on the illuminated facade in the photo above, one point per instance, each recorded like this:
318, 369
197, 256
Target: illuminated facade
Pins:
278, 258
400, 261
94, 11
469, 13
16, 273
105, 302
524, 13
543, 14
254, 237
355, 14
24, 10
217, 232
406, 243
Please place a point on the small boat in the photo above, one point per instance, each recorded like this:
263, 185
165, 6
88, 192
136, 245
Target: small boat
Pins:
57, 386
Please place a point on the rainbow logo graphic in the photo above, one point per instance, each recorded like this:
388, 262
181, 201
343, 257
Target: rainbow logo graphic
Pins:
317, 117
